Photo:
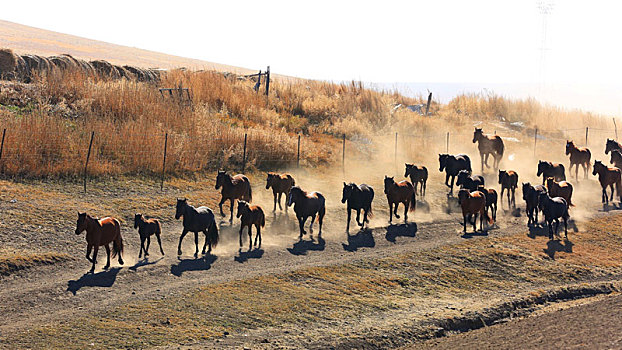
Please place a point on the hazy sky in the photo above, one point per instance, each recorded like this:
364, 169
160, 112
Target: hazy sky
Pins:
380, 41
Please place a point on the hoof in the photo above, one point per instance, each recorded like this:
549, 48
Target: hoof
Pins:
106, 267
121, 262
179, 252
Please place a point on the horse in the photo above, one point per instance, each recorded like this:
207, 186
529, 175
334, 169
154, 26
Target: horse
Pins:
560, 189
100, 232
280, 183
233, 187
470, 182
508, 180
399, 192
305, 205
197, 220
608, 177
358, 197
488, 145
616, 158
578, 156
418, 175
611, 145
452, 164
491, 201
473, 203
531, 195
554, 170
553, 209
251, 215
146, 228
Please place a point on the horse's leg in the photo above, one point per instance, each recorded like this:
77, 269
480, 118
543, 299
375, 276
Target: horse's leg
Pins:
348, 220
481, 156
576, 171
159, 243
365, 211
397, 204
390, 212
514, 197
312, 221
406, 206
358, 217
301, 224
222, 201
147, 247
250, 236
95, 249
556, 226
474, 223
88, 252
258, 235
446, 179
181, 238
205, 243
566, 226
509, 199
280, 195
501, 196
464, 221
240, 233
424, 186
276, 195
451, 187
611, 199
550, 224
107, 246
142, 246
196, 243
231, 218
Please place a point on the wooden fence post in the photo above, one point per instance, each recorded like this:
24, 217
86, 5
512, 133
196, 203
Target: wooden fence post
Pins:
2, 144
88, 155
427, 106
298, 155
244, 155
615, 127
535, 141
267, 80
164, 162
587, 129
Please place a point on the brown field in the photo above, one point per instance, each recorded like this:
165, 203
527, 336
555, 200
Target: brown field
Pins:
391, 285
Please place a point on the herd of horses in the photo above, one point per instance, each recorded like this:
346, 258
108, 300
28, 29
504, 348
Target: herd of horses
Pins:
553, 198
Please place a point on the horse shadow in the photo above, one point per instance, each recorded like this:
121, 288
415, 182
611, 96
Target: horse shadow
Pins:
144, 262
363, 238
451, 205
243, 257
538, 231
555, 246
475, 234
402, 230
611, 206
200, 264
423, 205
100, 279
302, 247
281, 222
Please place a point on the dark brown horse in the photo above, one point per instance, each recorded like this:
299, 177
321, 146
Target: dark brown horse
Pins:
616, 158
399, 192
281, 184
196, 220
233, 187
611, 145
488, 145
472, 204
608, 177
146, 228
578, 156
251, 215
560, 189
100, 232
418, 175
307, 205
491, 201
531, 196
554, 209
508, 181
453, 164
358, 197
549, 169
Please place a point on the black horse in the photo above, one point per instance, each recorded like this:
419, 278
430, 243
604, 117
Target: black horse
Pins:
470, 182
197, 220
418, 175
554, 209
358, 197
554, 170
531, 196
452, 164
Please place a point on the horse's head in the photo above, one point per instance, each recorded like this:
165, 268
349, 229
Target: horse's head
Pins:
409, 168
242, 208
347, 191
388, 182
462, 176
269, 180
442, 161
181, 207
549, 182
137, 219
463, 194
220, 178
542, 198
542, 165
526, 190
502, 175
569, 145
477, 134
294, 195
81, 225
610, 145
598, 167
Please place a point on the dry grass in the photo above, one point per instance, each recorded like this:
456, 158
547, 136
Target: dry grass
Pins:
11, 262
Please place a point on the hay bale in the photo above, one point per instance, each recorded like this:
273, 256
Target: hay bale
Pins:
8, 64
105, 69
63, 62
124, 73
139, 73
83, 65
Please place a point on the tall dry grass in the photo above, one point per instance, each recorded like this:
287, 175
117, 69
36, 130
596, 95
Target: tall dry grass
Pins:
49, 122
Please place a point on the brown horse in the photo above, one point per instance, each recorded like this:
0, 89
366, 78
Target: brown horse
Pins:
531, 195
100, 232
146, 228
508, 180
608, 177
488, 145
281, 184
233, 187
560, 189
616, 158
611, 145
251, 215
399, 192
549, 169
578, 156
307, 205
473, 203
491, 201
418, 175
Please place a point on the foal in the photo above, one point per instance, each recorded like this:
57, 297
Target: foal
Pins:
608, 177
473, 203
418, 175
281, 184
251, 215
146, 228
491, 200
531, 195
508, 180
578, 156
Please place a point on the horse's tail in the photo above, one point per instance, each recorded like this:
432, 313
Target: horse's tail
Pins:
250, 191
212, 234
117, 243
263, 220
487, 217
501, 147
413, 202
158, 227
